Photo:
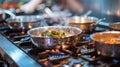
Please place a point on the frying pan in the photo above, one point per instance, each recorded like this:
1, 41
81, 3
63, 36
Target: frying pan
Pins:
23, 22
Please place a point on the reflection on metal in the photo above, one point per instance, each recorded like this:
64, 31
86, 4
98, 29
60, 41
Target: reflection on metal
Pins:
4, 12
17, 56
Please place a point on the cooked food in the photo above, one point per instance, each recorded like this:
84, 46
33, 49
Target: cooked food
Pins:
111, 41
108, 38
54, 33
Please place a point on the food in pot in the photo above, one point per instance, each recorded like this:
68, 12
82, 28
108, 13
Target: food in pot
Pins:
106, 36
53, 33
107, 43
111, 41
49, 37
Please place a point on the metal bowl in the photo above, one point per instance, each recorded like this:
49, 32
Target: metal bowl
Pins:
23, 22
44, 42
87, 24
107, 43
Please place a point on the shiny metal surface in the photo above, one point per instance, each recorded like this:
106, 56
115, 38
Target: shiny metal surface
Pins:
103, 8
24, 22
87, 24
16, 54
4, 12
48, 42
111, 49
115, 26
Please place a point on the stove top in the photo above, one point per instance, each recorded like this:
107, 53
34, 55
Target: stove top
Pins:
83, 55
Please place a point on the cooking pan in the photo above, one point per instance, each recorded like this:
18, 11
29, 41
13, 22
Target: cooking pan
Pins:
86, 23
23, 22
107, 43
50, 40
115, 26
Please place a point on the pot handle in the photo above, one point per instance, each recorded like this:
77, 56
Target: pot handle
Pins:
4, 11
99, 20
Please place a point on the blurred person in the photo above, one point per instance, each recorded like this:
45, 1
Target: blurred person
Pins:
31, 6
108, 9
72, 5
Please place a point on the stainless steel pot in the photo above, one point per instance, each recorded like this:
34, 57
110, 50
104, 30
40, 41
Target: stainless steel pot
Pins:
48, 42
87, 23
23, 22
115, 26
107, 43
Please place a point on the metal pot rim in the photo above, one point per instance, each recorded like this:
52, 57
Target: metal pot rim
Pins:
24, 18
37, 28
80, 19
115, 25
92, 35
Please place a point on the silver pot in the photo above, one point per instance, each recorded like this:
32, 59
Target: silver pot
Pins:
115, 26
87, 23
107, 43
23, 22
46, 42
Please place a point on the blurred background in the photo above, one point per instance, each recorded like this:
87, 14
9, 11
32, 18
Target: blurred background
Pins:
108, 9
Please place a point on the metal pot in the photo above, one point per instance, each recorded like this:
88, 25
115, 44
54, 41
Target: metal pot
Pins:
48, 42
23, 22
115, 26
107, 43
87, 23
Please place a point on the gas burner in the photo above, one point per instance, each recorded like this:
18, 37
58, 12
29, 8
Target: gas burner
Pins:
14, 32
53, 53
54, 56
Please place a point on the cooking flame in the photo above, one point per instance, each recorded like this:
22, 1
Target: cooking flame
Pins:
22, 32
5, 23
55, 50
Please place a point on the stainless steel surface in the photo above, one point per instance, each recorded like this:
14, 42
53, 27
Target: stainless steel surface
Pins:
47, 42
115, 26
87, 24
16, 55
4, 12
105, 44
24, 22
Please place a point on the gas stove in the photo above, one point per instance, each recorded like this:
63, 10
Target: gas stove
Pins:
17, 49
